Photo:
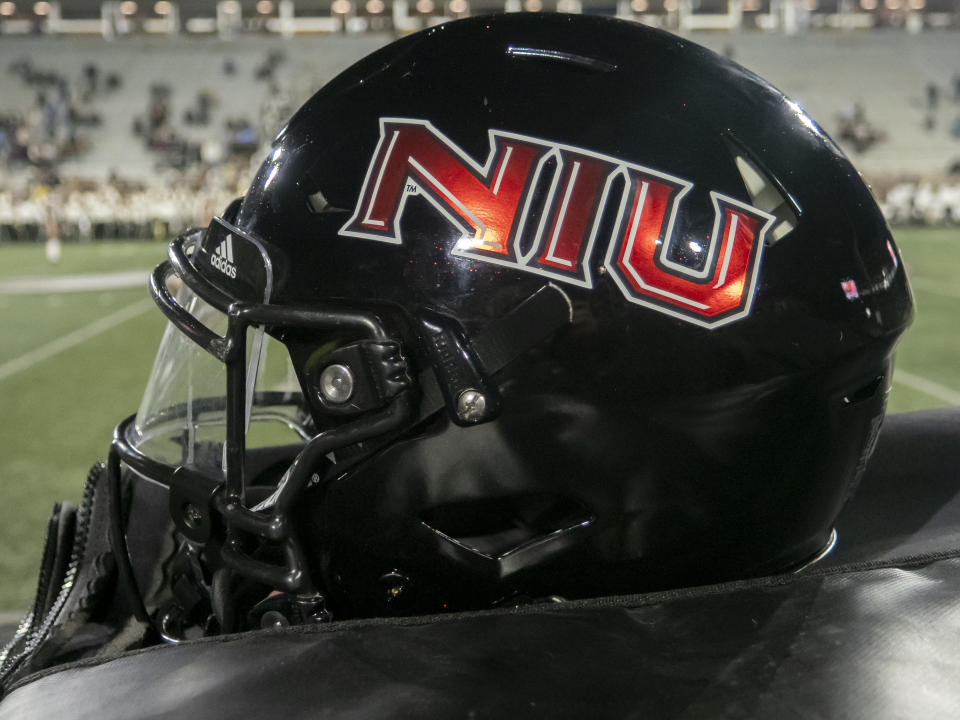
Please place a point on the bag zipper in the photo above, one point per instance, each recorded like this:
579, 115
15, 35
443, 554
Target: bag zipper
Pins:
36, 625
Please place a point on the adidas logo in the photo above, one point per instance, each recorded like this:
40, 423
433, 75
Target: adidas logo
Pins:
222, 258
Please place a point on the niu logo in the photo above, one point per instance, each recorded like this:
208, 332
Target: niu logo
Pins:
222, 258
494, 206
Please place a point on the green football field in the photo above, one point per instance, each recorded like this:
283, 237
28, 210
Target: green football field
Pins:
72, 364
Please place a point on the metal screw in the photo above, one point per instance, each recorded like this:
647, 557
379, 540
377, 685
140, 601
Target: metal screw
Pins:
471, 405
273, 619
336, 384
395, 585
191, 515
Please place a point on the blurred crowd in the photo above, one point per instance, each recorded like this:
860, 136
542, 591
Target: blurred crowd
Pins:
198, 159
939, 108
200, 150
47, 132
857, 131
117, 209
923, 203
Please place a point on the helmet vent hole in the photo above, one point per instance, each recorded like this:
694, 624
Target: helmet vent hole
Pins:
582, 61
767, 196
864, 392
500, 526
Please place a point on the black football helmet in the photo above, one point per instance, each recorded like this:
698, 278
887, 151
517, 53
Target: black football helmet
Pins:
520, 307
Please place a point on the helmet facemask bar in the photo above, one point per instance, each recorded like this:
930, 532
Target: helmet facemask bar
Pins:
197, 498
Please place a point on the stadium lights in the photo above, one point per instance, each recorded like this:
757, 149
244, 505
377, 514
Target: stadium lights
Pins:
425, 7
868, 4
670, 5
7, 9
639, 6
533, 5
918, 4
230, 7
162, 7
128, 7
265, 7
41, 8
341, 7
458, 6
375, 7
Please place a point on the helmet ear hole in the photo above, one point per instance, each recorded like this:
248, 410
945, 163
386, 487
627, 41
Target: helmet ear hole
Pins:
863, 392
500, 526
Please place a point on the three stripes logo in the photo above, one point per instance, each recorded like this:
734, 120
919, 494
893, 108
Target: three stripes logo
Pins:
222, 258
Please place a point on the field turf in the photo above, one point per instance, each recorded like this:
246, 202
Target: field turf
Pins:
72, 364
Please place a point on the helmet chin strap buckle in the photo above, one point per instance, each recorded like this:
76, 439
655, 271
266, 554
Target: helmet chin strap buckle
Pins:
191, 503
470, 396
358, 377
463, 369
281, 609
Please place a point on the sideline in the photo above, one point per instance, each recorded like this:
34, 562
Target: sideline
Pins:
927, 387
74, 283
922, 237
44, 352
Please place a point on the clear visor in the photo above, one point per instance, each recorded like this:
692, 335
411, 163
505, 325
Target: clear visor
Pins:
182, 418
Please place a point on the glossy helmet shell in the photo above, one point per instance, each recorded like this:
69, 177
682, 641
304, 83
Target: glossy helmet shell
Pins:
640, 446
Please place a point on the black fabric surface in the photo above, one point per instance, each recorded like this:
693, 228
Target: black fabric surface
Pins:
908, 502
873, 633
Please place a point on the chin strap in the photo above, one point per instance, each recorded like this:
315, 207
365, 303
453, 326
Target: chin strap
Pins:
460, 376
118, 541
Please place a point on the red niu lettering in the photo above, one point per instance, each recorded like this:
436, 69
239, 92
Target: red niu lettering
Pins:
492, 204
638, 256
412, 158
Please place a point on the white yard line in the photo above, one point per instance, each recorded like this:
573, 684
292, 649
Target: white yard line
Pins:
44, 352
74, 283
937, 287
933, 237
927, 387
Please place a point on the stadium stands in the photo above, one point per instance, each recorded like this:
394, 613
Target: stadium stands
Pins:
886, 72
116, 181
142, 134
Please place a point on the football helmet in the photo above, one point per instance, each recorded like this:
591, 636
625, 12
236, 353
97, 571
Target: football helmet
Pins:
520, 307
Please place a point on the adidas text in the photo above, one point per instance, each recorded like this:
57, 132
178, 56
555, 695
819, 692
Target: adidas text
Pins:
223, 266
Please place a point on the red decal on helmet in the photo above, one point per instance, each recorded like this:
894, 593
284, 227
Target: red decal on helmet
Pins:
638, 255
412, 158
492, 204
571, 217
